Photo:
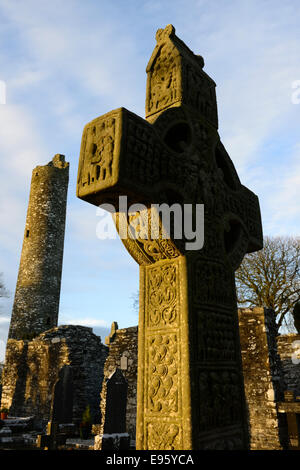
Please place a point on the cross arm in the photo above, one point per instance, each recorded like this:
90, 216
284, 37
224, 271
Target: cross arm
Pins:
121, 153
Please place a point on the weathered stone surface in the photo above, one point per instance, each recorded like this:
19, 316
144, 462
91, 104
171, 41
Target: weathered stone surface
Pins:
112, 442
263, 378
52, 439
190, 390
110, 338
262, 371
291, 409
123, 345
63, 393
116, 401
32, 369
37, 293
289, 351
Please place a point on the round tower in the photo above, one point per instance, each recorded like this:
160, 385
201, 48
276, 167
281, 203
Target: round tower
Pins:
37, 293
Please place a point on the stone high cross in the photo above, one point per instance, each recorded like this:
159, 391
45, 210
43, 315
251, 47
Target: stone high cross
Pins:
190, 384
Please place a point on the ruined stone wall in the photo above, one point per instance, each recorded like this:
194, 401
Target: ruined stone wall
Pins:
123, 355
37, 293
289, 351
263, 378
32, 368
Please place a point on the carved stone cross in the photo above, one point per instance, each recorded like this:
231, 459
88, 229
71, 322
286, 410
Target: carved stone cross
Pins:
190, 385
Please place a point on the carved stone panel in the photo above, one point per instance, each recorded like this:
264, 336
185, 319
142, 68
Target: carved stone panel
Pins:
163, 381
162, 294
98, 151
163, 436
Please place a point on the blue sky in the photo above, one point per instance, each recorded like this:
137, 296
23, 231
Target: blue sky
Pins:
65, 63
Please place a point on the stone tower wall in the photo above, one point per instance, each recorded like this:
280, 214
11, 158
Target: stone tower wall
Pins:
37, 293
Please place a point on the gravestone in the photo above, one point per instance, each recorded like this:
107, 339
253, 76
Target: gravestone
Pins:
116, 399
190, 387
62, 401
51, 439
124, 362
122, 355
61, 410
112, 435
291, 408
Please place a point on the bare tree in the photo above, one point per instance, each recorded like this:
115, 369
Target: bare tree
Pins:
135, 302
271, 277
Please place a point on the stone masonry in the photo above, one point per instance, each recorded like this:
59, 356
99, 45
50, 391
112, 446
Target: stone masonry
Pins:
289, 351
268, 371
263, 378
32, 369
37, 293
122, 355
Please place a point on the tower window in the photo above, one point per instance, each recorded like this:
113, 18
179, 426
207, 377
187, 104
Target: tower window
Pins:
48, 321
27, 233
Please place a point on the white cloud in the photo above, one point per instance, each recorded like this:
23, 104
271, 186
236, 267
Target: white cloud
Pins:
2, 350
20, 146
26, 78
85, 321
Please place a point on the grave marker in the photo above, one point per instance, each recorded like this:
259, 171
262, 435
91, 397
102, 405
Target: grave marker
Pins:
190, 385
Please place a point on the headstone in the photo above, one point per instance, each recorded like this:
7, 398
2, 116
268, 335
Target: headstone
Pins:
291, 408
61, 410
123, 362
116, 399
62, 403
48, 441
122, 352
112, 434
190, 388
